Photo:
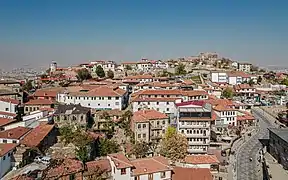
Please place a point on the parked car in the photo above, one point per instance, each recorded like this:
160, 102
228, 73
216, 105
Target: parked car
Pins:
45, 159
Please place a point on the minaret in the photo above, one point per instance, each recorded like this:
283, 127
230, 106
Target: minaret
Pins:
53, 66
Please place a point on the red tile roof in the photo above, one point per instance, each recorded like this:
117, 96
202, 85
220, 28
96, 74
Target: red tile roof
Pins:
201, 159
181, 173
6, 121
39, 102
120, 160
52, 92
102, 91
195, 93
36, 135
67, 167
137, 99
5, 148
8, 114
150, 165
161, 92
96, 165
146, 115
139, 77
197, 103
10, 100
222, 108
14, 133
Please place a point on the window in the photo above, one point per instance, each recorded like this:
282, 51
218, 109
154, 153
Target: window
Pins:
123, 171
108, 104
163, 174
116, 103
4, 141
163, 122
6, 109
71, 176
138, 103
4, 157
117, 98
167, 103
144, 135
98, 104
88, 104
9, 154
26, 109
167, 109
109, 98
136, 178
144, 126
139, 126
157, 103
14, 141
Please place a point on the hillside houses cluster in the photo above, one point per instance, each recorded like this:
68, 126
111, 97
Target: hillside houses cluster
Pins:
30, 120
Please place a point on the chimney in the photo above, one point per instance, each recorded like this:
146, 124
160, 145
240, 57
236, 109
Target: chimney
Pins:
10, 134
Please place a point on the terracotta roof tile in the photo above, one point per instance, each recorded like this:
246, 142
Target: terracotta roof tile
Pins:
10, 100
14, 133
196, 93
6, 121
102, 91
222, 108
139, 77
137, 99
120, 160
96, 165
181, 173
8, 114
36, 135
67, 167
51, 92
146, 115
5, 148
39, 102
150, 165
201, 159
161, 92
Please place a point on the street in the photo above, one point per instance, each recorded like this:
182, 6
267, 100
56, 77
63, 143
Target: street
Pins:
247, 169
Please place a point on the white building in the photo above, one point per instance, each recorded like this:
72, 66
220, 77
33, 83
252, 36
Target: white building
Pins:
193, 121
140, 78
13, 135
246, 67
219, 77
227, 115
152, 168
6, 156
103, 97
8, 105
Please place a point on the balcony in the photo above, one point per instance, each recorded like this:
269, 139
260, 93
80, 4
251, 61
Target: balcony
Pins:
155, 137
193, 126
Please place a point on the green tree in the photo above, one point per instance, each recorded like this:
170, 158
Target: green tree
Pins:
259, 79
174, 145
110, 74
83, 74
180, 69
108, 146
100, 72
228, 93
251, 82
285, 82
128, 68
140, 149
67, 134
28, 86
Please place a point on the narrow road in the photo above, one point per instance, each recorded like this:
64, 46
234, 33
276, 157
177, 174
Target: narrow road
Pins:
247, 169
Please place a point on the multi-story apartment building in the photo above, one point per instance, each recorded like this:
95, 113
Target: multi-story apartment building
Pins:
164, 105
246, 91
193, 120
149, 125
106, 65
227, 115
231, 78
8, 107
246, 67
100, 97
278, 146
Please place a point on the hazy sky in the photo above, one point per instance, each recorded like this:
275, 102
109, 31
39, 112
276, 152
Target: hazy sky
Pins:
35, 32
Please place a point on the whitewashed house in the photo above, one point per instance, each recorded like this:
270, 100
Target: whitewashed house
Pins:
6, 156
103, 97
